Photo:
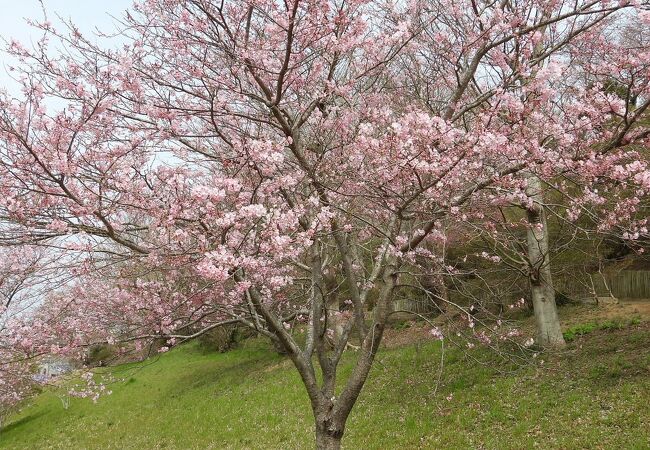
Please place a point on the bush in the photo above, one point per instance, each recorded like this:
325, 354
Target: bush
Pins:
224, 338
562, 299
100, 355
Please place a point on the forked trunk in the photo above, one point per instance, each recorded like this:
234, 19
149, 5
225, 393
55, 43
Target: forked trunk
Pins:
549, 333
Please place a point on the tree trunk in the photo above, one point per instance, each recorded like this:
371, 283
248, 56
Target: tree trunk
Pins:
438, 286
327, 439
434, 283
331, 413
549, 333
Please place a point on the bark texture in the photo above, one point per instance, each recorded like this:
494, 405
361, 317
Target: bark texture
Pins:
549, 332
328, 436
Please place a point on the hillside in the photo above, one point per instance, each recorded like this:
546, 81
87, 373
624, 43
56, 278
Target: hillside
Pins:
593, 395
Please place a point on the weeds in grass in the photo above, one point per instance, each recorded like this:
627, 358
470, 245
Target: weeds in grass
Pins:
586, 328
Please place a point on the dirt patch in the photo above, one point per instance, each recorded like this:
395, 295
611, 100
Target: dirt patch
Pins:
411, 332
625, 309
641, 307
408, 333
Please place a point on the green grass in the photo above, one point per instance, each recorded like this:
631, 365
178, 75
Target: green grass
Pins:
595, 395
614, 324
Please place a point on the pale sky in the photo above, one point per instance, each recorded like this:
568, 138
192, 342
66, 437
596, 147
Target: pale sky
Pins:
87, 14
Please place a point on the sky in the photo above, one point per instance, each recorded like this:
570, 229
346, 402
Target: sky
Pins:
87, 14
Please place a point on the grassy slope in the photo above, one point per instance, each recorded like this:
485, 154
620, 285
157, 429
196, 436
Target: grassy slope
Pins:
594, 396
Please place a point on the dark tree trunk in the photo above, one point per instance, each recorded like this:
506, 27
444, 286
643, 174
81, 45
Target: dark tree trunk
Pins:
328, 439
434, 283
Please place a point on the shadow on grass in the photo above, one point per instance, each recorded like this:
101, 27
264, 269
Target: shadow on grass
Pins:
19, 423
231, 374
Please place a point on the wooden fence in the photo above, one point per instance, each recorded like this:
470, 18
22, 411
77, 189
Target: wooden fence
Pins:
415, 305
624, 284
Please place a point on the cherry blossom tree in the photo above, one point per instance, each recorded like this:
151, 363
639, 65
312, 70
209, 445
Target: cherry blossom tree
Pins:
22, 275
276, 163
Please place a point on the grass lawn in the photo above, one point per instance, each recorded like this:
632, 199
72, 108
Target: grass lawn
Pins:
596, 394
